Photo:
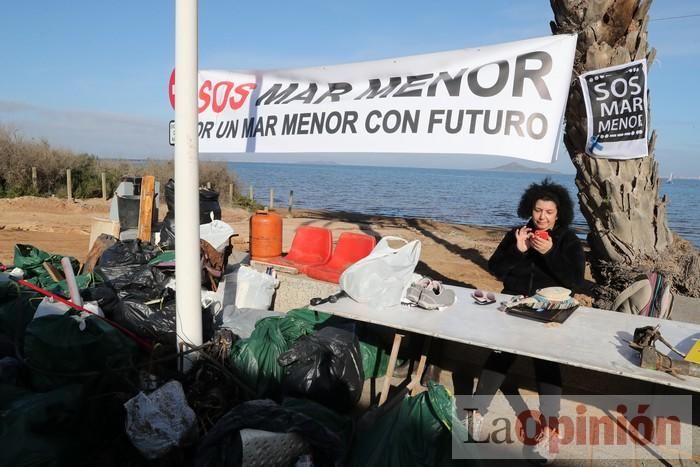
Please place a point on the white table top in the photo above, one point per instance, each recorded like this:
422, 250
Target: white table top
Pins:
591, 338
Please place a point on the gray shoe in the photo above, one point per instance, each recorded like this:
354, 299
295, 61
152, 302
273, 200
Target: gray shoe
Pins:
433, 298
414, 290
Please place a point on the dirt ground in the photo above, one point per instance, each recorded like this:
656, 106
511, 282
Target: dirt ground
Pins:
454, 254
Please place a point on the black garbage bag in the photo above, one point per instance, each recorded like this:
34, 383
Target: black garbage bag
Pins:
105, 297
170, 196
150, 315
133, 276
325, 367
222, 444
208, 206
208, 203
167, 232
128, 252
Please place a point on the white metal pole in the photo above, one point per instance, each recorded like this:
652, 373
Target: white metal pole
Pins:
187, 267
73, 290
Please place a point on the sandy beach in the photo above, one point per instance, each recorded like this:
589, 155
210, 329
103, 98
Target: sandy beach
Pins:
454, 254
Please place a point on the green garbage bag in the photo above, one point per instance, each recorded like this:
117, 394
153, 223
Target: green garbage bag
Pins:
255, 358
32, 259
301, 322
374, 360
305, 314
59, 352
411, 432
84, 281
17, 307
36, 429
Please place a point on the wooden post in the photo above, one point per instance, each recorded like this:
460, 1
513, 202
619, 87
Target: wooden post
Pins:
250, 192
272, 198
289, 210
104, 186
34, 183
148, 186
69, 185
421, 365
390, 368
230, 193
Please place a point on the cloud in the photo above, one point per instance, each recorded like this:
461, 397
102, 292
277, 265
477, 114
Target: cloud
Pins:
101, 133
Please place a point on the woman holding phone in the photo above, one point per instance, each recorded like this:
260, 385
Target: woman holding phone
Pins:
545, 252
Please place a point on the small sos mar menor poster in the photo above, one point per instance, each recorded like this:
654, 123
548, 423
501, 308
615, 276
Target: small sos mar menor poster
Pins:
616, 107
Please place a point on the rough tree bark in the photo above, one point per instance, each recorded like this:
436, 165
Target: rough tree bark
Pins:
620, 200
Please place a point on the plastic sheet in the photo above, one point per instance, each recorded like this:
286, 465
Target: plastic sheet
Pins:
159, 421
254, 289
217, 233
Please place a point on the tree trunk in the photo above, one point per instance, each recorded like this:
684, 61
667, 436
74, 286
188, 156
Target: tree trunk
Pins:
620, 200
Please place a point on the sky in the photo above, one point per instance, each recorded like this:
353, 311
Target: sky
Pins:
93, 76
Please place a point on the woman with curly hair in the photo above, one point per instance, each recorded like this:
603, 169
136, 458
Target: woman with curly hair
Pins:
545, 252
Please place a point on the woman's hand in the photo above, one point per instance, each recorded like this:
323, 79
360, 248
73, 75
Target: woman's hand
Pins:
521, 238
541, 245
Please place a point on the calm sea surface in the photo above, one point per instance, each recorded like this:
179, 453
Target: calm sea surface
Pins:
458, 196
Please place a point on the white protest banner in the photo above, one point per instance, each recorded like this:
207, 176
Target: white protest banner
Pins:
616, 107
506, 99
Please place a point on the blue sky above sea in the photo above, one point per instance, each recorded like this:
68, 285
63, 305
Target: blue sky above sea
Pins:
92, 76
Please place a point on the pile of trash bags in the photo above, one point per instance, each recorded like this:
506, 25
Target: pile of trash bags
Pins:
78, 388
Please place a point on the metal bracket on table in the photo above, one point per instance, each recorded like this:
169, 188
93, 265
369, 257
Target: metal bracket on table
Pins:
644, 341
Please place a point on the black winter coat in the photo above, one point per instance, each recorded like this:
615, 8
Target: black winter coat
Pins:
524, 273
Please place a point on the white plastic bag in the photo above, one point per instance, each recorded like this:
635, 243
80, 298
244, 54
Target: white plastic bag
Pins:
381, 278
254, 289
159, 421
216, 233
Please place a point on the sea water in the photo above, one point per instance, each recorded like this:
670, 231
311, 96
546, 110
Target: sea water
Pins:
474, 197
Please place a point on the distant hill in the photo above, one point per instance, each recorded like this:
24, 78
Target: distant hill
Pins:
515, 167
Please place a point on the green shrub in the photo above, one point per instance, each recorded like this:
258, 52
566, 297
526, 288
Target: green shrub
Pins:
17, 157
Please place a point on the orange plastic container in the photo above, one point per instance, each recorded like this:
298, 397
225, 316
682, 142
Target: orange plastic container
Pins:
265, 235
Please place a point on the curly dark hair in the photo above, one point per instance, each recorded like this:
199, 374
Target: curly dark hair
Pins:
548, 191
